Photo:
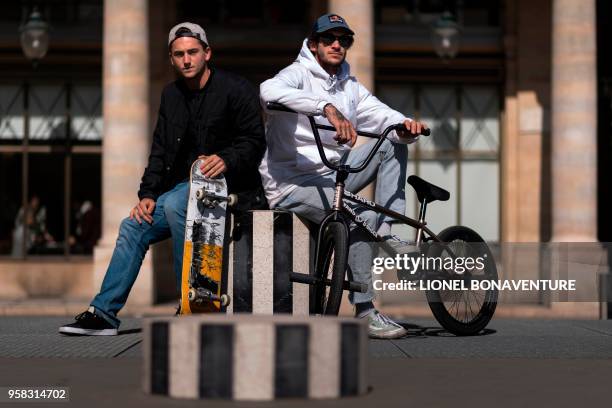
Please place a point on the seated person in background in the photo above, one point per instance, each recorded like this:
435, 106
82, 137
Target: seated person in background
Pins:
87, 231
31, 225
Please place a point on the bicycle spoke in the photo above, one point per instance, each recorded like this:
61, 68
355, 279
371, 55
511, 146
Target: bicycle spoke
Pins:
456, 303
463, 312
463, 306
478, 303
469, 303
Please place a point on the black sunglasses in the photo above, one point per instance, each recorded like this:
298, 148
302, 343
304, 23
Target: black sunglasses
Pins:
328, 39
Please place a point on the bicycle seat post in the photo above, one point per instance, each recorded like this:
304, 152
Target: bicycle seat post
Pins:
422, 212
341, 175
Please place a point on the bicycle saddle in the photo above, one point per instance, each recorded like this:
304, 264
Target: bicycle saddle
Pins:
428, 191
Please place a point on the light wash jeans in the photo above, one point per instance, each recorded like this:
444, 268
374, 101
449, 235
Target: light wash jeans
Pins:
313, 200
132, 245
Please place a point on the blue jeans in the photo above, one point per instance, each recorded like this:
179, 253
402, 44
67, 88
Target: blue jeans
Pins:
312, 200
132, 245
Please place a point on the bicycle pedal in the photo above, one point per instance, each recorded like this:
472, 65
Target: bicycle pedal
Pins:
355, 286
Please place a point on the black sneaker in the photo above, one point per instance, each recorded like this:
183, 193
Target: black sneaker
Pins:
89, 324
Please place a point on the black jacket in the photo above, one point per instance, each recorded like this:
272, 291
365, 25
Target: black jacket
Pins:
229, 124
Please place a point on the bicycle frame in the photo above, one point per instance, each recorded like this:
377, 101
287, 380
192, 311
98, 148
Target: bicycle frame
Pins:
342, 172
420, 225
341, 212
344, 214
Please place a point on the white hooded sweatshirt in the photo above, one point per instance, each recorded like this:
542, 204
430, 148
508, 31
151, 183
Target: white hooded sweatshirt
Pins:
291, 156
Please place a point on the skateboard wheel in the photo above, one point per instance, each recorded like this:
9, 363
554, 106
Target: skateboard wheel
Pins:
191, 295
232, 199
199, 194
225, 300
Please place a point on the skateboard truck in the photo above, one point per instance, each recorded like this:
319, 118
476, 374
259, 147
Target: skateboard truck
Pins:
211, 200
201, 295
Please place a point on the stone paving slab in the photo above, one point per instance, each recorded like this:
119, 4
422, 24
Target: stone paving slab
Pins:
38, 337
511, 338
560, 363
385, 349
599, 326
505, 338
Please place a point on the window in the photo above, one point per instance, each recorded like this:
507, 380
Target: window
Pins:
461, 155
243, 14
50, 168
470, 13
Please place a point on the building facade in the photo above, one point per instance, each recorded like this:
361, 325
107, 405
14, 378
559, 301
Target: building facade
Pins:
521, 118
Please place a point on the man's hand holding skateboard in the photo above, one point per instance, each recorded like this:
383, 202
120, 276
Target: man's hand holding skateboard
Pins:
212, 166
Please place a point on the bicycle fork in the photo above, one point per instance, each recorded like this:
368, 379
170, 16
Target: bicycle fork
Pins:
334, 216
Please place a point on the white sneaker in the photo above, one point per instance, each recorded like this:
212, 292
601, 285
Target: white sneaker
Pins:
399, 246
382, 327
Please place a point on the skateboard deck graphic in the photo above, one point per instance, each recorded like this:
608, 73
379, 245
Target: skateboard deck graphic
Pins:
203, 281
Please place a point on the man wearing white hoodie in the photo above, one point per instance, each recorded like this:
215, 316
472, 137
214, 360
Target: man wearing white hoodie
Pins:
295, 178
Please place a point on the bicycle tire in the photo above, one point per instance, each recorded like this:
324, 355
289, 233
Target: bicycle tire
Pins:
334, 254
441, 310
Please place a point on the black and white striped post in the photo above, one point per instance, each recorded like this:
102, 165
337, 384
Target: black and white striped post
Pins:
254, 357
266, 247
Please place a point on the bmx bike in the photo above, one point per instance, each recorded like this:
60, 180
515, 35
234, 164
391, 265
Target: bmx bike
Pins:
459, 309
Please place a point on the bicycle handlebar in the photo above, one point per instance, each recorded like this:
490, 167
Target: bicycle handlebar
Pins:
275, 106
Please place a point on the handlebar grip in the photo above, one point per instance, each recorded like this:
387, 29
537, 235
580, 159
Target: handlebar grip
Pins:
400, 126
275, 106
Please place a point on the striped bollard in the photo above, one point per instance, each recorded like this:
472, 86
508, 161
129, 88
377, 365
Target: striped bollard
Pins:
249, 357
266, 247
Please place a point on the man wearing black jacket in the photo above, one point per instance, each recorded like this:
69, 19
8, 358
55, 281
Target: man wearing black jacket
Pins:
206, 113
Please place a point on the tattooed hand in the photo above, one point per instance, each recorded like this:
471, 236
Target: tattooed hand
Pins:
346, 131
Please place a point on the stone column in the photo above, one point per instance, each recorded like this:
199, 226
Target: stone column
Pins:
574, 121
126, 129
359, 15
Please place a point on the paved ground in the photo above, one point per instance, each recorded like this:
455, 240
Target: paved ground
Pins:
517, 362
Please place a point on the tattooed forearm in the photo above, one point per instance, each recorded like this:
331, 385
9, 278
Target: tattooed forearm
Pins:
338, 115
345, 131
335, 113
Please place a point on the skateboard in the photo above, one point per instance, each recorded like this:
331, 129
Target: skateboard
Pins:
203, 282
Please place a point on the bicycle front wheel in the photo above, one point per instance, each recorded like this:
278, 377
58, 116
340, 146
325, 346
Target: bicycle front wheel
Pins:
463, 312
331, 266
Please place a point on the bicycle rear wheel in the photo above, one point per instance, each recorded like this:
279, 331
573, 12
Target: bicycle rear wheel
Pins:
331, 265
463, 312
